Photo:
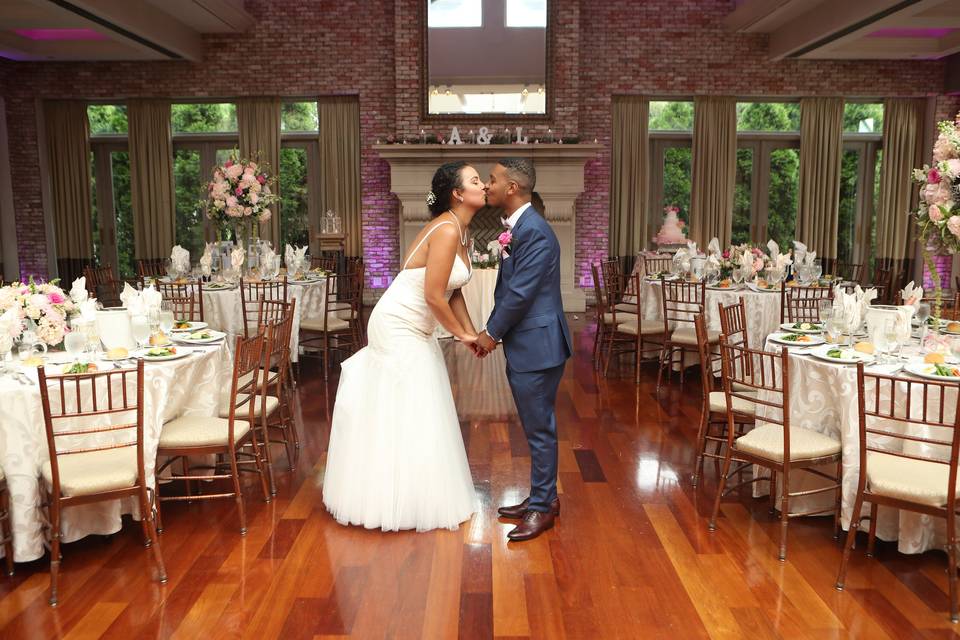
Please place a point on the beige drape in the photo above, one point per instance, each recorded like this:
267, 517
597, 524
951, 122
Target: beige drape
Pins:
258, 120
821, 152
151, 177
67, 133
903, 120
714, 169
340, 165
629, 175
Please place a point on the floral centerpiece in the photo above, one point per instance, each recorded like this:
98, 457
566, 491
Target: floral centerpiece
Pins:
732, 258
490, 259
238, 194
43, 303
938, 214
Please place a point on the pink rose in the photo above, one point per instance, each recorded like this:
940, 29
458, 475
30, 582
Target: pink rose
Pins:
953, 168
943, 149
231, 202
238, 191
266, 215
505, 238
247, 211
234, 171
934, 213
933, 176
726, 253
253, 198
57, 298
261, 178
757, 264
954, 225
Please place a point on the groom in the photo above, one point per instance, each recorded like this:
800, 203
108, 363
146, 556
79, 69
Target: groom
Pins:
528, 318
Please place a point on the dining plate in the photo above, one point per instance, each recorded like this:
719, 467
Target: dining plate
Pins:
802, 327
754, 287
179, 352
219, 286
929, 371
214, 336
797, 339
847, 354
190, 328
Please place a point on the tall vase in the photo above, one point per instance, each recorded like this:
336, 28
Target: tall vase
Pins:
928, 254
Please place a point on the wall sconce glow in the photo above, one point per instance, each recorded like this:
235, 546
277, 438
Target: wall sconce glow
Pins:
60, 34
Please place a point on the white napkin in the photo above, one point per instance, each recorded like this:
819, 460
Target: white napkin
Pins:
849, 306
494, 247
180, 258
151, 299
809, 258
78, 292
267, 254
206, 261
783, 260
746, 264
682, 257
713, 248
236, 257
130, 298
88, 310
295, 258
692, 248
911, 295
774, 250
713, 260
799, 251
864, 298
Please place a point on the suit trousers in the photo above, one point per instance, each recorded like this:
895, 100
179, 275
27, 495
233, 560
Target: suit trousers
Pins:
535, 394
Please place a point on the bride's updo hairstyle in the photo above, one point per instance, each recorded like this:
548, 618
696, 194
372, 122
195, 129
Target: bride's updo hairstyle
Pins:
445, 180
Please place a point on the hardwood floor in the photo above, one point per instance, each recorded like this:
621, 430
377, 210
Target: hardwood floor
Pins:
630, 557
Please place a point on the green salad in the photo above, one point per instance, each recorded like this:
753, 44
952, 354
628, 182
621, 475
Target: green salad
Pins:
805, 326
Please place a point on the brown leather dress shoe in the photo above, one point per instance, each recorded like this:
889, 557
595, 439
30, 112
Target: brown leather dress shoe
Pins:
534, 523
515, 512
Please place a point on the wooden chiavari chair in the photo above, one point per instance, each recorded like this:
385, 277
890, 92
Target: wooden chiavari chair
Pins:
652, 265
713, 412
918, 424
151, 268
773, 443
850, 271
338, 331
174, 291
103, 285
327, 263
192, 436
627, 332
681, 302
883, 282
184, 309
251, 293
601, 316
802, 304
86, 465
6, 535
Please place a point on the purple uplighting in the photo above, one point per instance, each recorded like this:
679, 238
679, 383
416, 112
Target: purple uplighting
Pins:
60, 34
911, 33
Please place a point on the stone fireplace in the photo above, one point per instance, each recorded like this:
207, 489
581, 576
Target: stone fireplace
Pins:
559, 182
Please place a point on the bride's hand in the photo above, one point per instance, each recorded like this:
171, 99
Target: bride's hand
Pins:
470, 341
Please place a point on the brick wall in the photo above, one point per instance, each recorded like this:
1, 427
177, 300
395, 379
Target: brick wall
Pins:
372, 49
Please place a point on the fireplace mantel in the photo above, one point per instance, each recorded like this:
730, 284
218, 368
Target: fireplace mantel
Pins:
559, 182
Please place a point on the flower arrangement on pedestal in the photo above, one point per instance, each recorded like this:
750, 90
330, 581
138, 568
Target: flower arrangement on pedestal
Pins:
938, 214
239, 194
43, 303
732, 258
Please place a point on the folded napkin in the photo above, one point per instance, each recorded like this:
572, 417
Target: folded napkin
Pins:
746, 264
151, 299
713, 261
713, 248
809, 258
865, 297
180, 258
295, 258
774, 250
236, 257
910, 294
130, 298
88, 310
78, 292
799, 251
682, 257
849, 305
692, 248
267, 254
782, 261
206, 260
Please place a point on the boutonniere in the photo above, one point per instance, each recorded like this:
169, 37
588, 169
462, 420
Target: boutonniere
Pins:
505, 239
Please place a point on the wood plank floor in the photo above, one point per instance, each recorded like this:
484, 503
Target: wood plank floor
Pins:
631, 556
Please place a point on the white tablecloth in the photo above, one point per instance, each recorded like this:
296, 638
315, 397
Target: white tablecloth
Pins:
188, 386
223, 309
478, 294
823, 397
763, 308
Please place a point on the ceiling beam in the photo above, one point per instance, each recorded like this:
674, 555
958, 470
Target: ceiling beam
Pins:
227, 12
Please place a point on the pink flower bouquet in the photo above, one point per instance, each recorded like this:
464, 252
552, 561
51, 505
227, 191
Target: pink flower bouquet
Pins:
43, 303
239, 189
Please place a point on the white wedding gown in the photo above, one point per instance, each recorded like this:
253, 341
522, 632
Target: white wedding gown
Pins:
396, 458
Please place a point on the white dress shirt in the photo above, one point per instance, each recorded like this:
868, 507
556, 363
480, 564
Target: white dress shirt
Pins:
514, 217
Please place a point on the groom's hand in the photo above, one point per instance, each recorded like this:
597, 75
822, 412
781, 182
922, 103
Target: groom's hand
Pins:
485, 342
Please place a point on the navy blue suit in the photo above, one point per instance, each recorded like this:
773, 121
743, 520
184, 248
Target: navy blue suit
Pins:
528, 318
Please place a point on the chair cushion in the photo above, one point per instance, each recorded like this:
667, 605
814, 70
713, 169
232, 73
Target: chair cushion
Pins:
200, 431
272, 404
767, 442
608, 318
914, 480
688, 336
718, 404
333, 324
626, 307
650, 328
94, 471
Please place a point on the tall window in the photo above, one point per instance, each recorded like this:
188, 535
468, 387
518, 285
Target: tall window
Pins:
112, 211
859, 180
671, 138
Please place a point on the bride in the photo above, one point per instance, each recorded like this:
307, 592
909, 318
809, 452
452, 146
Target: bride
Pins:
396, 458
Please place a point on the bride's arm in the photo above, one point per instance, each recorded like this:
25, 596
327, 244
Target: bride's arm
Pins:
441, 252
459, 306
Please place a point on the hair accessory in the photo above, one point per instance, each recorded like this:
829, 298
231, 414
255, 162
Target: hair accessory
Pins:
431, 199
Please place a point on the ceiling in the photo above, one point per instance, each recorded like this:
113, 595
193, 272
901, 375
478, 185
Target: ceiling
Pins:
114, 29
852, 29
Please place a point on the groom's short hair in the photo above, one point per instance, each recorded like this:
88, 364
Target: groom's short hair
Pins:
521, 171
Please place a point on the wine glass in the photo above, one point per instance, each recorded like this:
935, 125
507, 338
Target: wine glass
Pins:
816, 270
737, 277
923, 313
74, 342
955, 348
891, 337
166, 317
140, 330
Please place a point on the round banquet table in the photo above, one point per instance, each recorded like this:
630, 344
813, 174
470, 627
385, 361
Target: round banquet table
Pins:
223, 309
762, 307
823, 397
187, 386
478, 294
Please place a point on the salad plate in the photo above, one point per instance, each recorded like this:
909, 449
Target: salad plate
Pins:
941, 372
181, 326
802, 327
203, 336
841, 355
796, 339
162, 354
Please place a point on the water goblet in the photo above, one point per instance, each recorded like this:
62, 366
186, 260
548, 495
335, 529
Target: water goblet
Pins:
955, 348
166, 317
891, 337
737, 277
816, 270
923, 313
74, 342
140, 330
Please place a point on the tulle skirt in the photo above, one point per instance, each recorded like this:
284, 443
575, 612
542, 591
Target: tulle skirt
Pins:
396, 458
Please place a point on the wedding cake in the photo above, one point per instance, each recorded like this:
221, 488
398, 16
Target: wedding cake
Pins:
672, 230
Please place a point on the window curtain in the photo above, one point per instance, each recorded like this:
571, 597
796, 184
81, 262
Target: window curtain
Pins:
340, 165
67, 133
629, 175
714, 169
258, 120
151, 178
903, 121
821, 152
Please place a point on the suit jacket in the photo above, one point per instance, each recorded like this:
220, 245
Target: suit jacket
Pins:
528, 309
